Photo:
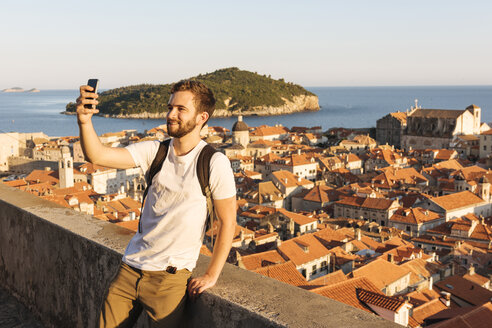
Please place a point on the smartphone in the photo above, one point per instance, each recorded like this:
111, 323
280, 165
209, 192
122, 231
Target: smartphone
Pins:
92, 83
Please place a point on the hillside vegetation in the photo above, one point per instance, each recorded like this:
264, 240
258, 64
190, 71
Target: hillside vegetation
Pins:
233, 88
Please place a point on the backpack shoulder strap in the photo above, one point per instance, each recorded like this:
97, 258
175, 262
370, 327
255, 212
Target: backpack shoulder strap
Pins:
159, 158
203, 173
155, 167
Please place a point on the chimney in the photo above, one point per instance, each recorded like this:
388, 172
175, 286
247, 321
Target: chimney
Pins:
471, 270
278, 242
358, 234
445, 298
391, 258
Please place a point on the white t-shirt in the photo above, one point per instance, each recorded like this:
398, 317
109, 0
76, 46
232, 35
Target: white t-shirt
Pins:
175, 210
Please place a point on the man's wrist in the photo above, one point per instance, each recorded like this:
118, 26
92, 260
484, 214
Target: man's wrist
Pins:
212, 276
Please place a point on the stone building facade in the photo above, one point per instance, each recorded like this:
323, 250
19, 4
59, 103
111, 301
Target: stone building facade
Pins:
436, 128
390, 127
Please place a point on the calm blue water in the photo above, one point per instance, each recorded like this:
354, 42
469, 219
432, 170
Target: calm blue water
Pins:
355, 107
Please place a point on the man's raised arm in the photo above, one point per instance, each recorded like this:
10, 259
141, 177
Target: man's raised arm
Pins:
94, 151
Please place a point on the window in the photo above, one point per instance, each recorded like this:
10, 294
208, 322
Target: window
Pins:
315, 268
408, 228
484, 147
303, 272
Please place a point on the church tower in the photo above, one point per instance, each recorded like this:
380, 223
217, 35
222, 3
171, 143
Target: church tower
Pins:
476, 111
240, 132
484, 189
65, 168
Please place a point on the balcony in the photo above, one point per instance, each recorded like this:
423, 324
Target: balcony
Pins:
58, 262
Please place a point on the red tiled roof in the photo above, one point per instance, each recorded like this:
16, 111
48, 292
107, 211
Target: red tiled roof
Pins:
427, 309
479, 317
284, 272
297, 218
372, 203
303, 249
466, 290
329, 279
382, 273
457, 200
415, 215
258, 260
322, 194
346, 291
378, 299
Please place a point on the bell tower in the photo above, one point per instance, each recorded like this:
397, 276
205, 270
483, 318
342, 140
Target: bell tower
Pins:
65, 168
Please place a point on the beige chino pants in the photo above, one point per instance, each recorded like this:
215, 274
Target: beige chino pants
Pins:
161, 294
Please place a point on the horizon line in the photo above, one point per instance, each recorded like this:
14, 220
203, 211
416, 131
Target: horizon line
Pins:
310, 86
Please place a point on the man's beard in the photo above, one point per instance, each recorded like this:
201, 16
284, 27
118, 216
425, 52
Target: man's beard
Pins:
182, 130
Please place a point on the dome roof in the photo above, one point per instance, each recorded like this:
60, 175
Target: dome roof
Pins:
240, 125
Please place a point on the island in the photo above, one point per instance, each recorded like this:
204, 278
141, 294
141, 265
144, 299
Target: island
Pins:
237, 92
17, 89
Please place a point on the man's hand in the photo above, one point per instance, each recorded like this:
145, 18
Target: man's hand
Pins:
197, 285
84, 114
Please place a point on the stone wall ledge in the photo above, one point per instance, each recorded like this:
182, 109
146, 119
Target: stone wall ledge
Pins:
58, 263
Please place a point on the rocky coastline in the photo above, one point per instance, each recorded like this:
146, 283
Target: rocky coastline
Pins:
303, 103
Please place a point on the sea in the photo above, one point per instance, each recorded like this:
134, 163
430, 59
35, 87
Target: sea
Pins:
349, 107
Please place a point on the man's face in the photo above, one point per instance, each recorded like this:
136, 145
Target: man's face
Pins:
182, 115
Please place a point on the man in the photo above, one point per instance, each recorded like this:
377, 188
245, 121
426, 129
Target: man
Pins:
158, 261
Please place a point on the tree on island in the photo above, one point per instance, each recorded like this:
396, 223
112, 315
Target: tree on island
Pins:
233, 88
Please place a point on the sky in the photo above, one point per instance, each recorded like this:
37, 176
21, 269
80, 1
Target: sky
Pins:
60, 44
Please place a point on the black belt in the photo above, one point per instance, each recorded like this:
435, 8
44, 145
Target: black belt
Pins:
169, 269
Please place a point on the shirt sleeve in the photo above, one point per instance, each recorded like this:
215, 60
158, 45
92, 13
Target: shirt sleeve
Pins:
222, 183
143, 153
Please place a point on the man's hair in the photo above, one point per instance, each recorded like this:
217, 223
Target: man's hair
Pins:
203, 97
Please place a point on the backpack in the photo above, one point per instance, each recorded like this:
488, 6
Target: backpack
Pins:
203, 173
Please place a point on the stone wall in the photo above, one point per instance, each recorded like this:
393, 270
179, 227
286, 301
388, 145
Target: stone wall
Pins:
58, 263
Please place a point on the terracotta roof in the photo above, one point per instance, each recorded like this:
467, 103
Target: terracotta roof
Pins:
258, 211
457, 200
15, 183
427, 309
346, 291
437, 113
289, 179
284, 272
297, 218
265, 130
303, 249
378, 299
476, 278
479, 317
258, 260
400, 116
322, 194
450, 165
419, 297
372, 203
420, 269
466, 290
328, 279
89, 168
415, 215
382, 273
43, 176
446, 154
328, 235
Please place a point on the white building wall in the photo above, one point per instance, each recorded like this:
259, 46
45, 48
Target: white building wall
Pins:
9, 146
